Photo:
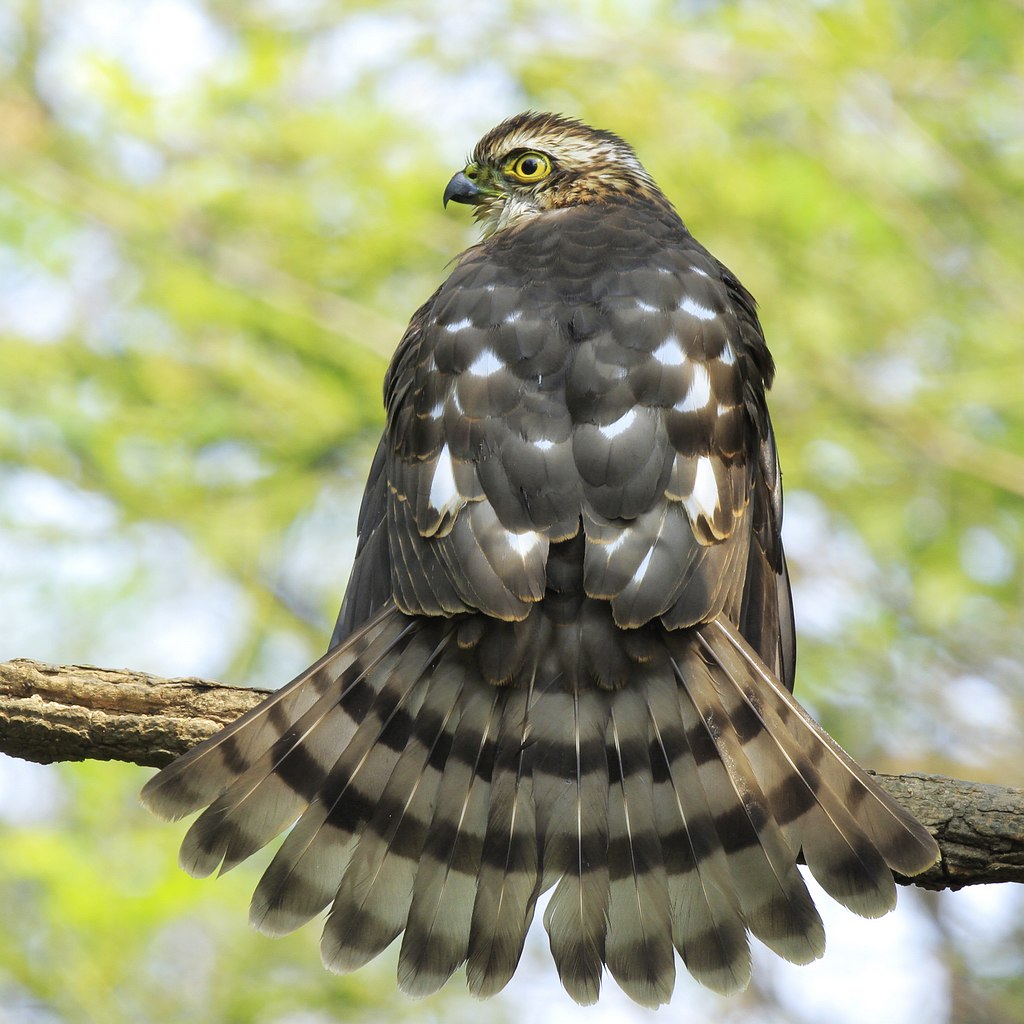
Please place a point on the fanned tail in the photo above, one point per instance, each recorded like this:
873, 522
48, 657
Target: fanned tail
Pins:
436, 789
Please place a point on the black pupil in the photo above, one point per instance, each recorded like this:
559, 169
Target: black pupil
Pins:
529, 166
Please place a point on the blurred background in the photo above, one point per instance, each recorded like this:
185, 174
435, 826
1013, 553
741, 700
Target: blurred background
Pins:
215, 221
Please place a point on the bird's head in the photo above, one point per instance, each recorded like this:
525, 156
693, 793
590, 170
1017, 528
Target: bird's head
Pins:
536, 162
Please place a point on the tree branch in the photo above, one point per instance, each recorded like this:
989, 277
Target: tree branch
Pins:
76, 712
73, 712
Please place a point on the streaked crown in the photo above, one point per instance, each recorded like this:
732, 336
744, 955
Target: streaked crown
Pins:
534, 162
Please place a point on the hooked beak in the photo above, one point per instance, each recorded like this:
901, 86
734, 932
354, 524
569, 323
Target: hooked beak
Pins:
461, 190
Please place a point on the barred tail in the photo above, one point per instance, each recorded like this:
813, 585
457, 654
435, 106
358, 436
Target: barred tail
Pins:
435, 789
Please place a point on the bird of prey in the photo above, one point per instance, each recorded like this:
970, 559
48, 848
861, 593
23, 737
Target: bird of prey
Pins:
565, 657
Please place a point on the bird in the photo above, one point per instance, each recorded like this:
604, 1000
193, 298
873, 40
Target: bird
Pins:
564, 662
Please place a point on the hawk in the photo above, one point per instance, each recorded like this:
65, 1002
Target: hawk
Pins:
565, 656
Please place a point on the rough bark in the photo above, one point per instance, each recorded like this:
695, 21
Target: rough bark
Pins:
74, 712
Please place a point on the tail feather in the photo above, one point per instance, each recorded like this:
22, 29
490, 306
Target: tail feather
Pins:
272, 794
264, 801
436, 791
776, 905
575, 834
305, 873
708, 928
509, 880
372, 903
906, 845
639, 949
839, 854
436, 940
204, 773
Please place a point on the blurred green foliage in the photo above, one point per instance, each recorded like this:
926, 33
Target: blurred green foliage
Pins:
119, 935
215, 220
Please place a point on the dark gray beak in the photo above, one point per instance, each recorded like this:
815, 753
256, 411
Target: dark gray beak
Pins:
461, 190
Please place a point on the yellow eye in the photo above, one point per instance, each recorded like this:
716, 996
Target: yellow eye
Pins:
529, 167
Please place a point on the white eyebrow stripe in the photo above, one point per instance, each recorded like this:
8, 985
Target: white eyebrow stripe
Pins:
697, 309
485, 364
623, 423
700, 391
670, 352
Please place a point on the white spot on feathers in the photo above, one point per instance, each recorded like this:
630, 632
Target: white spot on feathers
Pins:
544, 444
728, 355
485, 364
458, 325
622, 424
700, 391
646, 307
514, 316
698, 271
523, 543
641, 569
444, 494
613, 545
703, 499
670, 352
697, 309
